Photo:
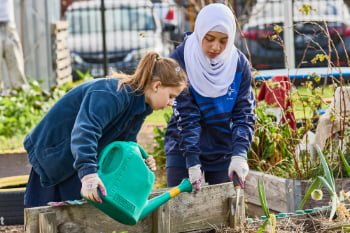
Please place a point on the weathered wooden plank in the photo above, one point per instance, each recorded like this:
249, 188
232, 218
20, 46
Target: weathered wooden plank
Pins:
275, 188
186, 212
31, 218
62, 64
64, 80
63, 73
47, 222
237, 211
82, 218
59, 26
161, 219
285, 195
59, 45
61, 54
201, 210
61, 36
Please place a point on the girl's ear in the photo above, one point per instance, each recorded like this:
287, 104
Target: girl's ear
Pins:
156, 85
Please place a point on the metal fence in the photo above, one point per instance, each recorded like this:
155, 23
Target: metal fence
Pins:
307, 33
114, 35
323, 33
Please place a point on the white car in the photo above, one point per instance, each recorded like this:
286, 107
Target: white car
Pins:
131, 29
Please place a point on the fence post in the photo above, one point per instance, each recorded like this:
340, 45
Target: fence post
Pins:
288, 33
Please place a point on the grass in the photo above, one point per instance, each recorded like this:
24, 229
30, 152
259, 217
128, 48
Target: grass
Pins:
325, 92
157, 117
12, 145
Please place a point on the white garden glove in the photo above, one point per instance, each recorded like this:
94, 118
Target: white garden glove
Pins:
151, 163
89, 185
240, 166
195, 176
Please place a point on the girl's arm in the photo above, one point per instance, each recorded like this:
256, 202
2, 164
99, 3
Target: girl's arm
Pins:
97, 110
187, 115
243, 116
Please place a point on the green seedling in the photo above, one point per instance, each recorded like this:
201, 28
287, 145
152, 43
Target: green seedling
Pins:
326, 180
269, 223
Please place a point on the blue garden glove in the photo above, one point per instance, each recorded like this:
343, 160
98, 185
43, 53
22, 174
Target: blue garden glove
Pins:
196, 177
240, 166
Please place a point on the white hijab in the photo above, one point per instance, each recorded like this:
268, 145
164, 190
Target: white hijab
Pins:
211, 77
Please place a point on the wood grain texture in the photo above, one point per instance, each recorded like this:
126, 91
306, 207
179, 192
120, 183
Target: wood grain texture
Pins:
285, 195
186, 212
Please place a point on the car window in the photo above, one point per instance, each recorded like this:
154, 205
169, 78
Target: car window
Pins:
88, 20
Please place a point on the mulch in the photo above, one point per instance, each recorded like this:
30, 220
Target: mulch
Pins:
12, 229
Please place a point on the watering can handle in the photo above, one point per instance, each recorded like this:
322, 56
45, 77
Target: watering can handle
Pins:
143, 152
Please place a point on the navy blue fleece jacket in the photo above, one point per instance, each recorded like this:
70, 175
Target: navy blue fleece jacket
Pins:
86, 119
208, 131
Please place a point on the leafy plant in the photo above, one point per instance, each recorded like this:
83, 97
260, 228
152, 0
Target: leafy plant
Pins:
23, 108
158, 149
273, 146
270, 221
327, 180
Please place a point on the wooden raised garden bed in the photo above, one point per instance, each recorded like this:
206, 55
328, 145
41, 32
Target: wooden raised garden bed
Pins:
187, 212
285, 195
14, 164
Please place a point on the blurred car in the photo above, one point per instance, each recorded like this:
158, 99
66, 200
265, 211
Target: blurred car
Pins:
309, 36
172, 17
131, 29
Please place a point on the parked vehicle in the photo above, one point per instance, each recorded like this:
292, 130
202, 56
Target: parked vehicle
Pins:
310, 38
172, 17
131, 29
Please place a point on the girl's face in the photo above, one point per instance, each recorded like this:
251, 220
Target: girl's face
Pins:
158, 96
214, 43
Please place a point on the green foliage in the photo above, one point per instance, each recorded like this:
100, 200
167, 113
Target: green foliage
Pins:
158, 149
83, 76
273, 146
23, 108
345, 162
327, 180
157, 117
270, 220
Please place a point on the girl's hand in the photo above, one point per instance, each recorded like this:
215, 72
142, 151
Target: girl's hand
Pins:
240, 166
89, 185
196, 177
151, 163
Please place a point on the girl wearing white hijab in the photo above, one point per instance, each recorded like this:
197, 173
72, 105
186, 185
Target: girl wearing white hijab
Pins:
211, 130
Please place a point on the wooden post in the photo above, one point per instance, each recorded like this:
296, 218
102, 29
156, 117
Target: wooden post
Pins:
161, 219
61, 61
288, 35
47, 222
236, 210
231, 204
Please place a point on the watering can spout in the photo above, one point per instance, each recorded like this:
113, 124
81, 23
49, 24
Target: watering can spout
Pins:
154, 203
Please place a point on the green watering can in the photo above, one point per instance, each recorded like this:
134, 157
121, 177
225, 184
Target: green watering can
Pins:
129, 182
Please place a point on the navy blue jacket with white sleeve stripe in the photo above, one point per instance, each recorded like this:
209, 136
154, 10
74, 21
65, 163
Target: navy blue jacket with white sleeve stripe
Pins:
209, 131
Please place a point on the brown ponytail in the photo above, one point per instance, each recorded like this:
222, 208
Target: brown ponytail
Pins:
152, 67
